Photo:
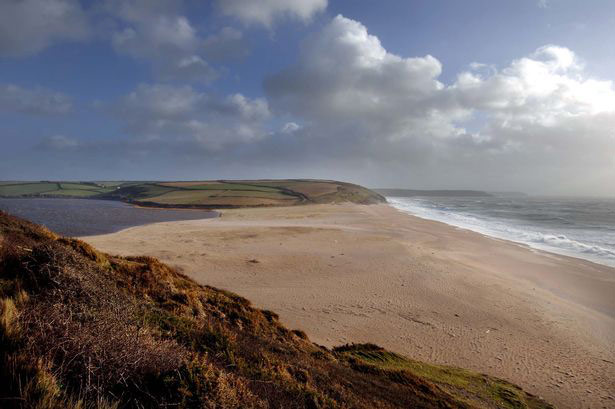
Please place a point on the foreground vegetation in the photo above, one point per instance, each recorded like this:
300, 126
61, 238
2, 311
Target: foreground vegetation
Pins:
83, 329
209, 194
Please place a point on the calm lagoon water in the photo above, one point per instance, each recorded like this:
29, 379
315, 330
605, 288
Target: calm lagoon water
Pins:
83, 217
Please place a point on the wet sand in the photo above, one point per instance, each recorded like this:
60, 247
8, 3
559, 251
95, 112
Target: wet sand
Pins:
350, 273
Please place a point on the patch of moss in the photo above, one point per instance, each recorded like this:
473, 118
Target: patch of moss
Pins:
456, 381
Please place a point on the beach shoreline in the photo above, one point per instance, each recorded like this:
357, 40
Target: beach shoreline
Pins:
431, 291
565, 231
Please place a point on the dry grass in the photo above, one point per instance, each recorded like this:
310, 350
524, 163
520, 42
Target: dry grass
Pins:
82, 329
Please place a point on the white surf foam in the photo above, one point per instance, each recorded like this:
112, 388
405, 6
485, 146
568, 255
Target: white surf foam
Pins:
549, 241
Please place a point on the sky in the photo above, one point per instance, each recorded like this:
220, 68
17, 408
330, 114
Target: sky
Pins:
432, 94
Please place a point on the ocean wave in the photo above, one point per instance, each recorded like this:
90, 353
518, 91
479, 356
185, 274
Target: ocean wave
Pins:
507, 229
564, 242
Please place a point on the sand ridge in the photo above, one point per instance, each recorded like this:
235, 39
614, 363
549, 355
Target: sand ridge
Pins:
352, 273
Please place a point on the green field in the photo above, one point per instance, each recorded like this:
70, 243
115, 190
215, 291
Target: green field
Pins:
208, 196
50, 189
83, 186
75, 193
201, 194
26, 189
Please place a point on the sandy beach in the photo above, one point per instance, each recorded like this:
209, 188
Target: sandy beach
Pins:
351, 273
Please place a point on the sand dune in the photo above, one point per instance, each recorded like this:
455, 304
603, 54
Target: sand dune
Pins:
351, 273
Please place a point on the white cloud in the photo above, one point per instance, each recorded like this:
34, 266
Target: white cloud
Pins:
346, 76
29, 26
227, 43
156, 35
183, 115
58, 143
540, 123
36, 101
161, 102
190, 68
157, 31
290, 127
265, 12
548, 83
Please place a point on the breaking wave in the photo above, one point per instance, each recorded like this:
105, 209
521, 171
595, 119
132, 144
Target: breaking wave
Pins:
523, 223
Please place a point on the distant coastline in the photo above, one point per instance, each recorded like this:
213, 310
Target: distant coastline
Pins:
433, 193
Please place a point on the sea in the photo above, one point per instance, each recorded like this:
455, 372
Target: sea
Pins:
84, 217
577, 227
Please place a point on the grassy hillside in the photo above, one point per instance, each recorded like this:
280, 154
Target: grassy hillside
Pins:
209, 194
83, 329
